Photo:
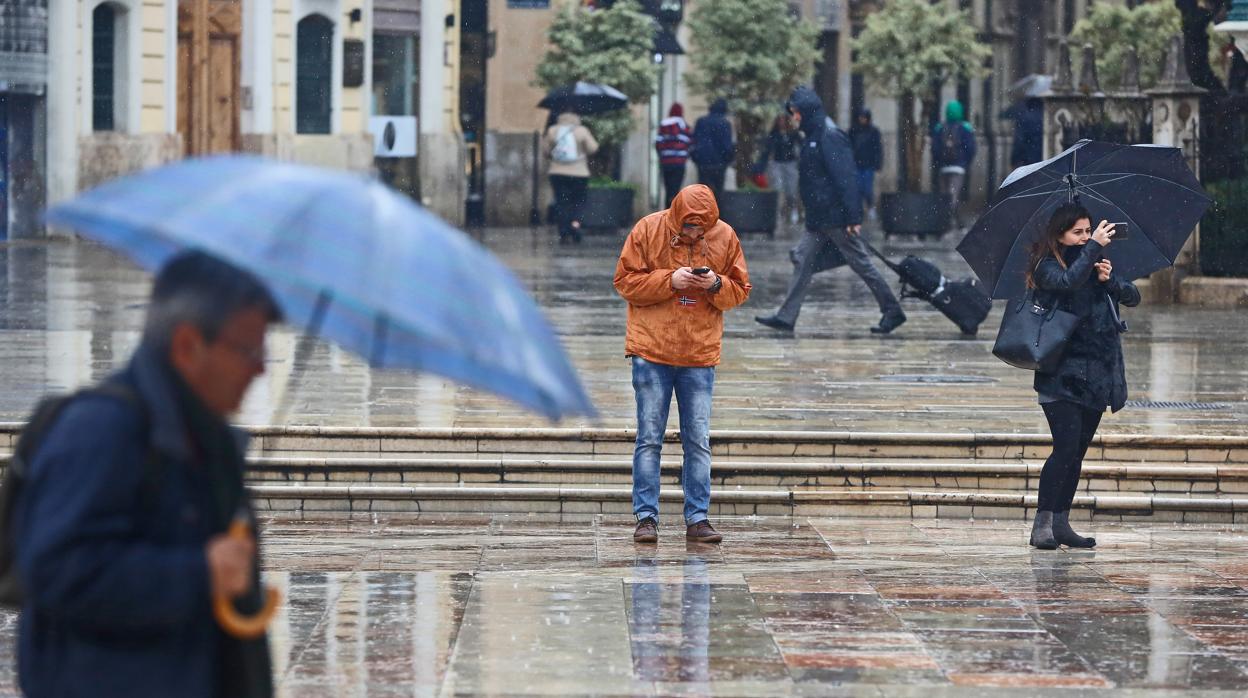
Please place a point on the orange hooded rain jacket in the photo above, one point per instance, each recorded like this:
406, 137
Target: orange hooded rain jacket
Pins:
680, 328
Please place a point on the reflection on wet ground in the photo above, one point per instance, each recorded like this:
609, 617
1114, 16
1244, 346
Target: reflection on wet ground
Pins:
481, 605
71, 312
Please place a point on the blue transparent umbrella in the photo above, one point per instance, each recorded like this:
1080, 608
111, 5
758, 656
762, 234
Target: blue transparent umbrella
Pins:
350, 260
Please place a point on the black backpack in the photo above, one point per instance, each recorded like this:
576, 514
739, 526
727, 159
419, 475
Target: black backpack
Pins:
37, 426
950, 144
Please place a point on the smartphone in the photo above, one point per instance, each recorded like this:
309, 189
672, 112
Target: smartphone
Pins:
702, 271
1120, 231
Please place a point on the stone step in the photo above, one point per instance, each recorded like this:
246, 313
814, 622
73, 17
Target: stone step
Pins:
1104, 476
290, 441
581, 501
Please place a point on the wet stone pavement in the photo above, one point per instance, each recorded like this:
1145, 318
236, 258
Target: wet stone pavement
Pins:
480, 605
70, 313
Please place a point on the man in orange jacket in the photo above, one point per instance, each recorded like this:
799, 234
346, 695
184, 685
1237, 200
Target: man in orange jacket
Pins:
680, 269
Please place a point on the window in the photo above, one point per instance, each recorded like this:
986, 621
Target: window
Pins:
314, 74
104, 68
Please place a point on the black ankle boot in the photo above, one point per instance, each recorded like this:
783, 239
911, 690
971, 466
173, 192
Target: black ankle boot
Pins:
1066, 535
1042, 531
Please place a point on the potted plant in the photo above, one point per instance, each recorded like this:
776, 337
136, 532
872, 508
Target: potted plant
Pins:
613, 46
907, 50
752, 53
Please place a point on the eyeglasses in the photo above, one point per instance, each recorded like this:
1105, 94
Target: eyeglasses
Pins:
255, 355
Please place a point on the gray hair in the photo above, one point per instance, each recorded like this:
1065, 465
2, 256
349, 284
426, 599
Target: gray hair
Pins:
195, 287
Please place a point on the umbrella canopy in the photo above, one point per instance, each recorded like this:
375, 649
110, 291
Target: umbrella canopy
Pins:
1148, 187
584, 98
1033, 85
351, 259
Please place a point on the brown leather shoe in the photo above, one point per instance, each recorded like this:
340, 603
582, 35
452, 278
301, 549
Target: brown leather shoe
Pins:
647, 531
702, 532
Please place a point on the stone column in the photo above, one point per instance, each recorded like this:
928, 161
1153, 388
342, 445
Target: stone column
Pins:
440, 156
1176, 123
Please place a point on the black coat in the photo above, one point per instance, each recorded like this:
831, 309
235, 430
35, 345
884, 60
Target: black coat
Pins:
1091, 372
868, 146
827, 176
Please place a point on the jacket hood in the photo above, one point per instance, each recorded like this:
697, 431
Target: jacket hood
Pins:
805, 102
953, 111
719, 106
677, 109
862, 113
569, 119
694, 204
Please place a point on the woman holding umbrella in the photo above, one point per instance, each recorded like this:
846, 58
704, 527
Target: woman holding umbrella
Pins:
1069, 271
569, 144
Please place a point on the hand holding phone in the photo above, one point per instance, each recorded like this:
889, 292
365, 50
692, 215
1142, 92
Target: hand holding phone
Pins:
1121, 231
702, 271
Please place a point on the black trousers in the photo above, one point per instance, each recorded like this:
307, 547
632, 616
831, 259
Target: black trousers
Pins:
673, 177
713, 177
1073, 427
570, 195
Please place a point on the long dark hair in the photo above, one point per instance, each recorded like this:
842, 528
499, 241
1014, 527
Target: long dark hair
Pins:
1063, 219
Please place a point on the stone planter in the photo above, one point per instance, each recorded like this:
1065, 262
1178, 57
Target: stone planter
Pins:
750, 211
609, 209
915, 213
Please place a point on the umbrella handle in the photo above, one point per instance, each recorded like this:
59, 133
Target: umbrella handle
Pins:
228, 617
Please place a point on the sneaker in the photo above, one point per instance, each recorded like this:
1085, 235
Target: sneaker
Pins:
889, 322
773, 322
702, 532
647, 531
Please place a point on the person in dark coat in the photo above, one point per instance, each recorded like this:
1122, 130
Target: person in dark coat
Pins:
712, 147
868, 156
1071, 273
953, 150
672, 143
779, 161
120, 528
828, 182
1028, 118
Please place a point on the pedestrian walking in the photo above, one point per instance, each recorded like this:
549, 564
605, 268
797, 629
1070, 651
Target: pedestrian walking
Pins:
680, 270
1028, 145
779, 160
953, 150
712, 147
1070, 271
829, 189
673, 142
868, 157
568, 144
120, 525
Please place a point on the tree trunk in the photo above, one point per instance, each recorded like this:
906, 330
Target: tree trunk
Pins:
748, 136
912, 146
1196, 19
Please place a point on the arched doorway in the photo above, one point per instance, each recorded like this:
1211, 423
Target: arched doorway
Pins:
314, 74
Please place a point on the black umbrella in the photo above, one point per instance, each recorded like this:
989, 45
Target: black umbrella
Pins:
1148, 187
584, 98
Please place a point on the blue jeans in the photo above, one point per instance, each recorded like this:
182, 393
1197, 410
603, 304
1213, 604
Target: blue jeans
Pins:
653, 385
866, 187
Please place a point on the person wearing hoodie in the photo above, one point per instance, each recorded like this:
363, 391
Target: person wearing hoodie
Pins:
779, 161
672, 142
680, 270
712, 146
953, 149
828, 182
868, 156
569, 144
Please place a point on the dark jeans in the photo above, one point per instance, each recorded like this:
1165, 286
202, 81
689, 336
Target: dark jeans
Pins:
866, 187
673, 178
859, 259
570, 195
1073, 427
713, 177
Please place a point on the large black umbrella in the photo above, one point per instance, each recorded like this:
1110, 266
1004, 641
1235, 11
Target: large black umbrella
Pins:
584, 98
1149, 187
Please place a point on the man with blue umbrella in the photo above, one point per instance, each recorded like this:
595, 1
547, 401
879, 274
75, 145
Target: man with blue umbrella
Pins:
120, 527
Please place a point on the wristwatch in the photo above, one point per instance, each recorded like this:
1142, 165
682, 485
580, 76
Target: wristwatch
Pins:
719, 283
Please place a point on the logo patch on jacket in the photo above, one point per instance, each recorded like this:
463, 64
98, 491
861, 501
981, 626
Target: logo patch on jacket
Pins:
687, 301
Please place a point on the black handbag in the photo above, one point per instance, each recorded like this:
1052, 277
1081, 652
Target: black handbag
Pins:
1032, 336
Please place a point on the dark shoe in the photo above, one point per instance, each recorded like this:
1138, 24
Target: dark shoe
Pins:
773, 322
701, 532
1042, 531
647, 531
889, 322
1064, 534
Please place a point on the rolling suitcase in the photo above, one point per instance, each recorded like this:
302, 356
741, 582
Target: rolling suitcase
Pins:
964, 302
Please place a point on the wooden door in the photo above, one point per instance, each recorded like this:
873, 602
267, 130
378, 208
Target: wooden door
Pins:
209, 69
